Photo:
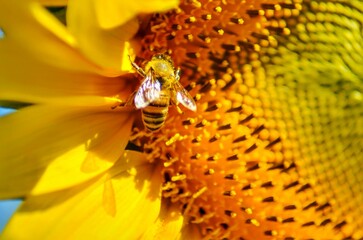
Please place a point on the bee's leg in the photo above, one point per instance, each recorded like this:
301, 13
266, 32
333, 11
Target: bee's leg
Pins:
174, 101
177, 74
179, 109
118, 105
128, 102
137, 68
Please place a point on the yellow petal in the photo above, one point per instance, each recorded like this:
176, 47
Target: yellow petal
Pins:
104, 47
34, 72
25, 79
167, 226
54, 2
79, 213
28, 26
112, 13
47, 148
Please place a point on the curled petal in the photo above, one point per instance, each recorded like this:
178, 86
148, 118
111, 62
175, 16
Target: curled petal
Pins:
83, 212
105, 47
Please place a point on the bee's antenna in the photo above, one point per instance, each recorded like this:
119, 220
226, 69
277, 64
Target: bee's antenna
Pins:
177, 74
137, 68
130, 59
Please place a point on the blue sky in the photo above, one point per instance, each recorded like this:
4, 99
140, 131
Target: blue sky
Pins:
6, 207
4, 111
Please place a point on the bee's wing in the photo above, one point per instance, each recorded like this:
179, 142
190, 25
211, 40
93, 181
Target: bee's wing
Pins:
183, 96
148, 91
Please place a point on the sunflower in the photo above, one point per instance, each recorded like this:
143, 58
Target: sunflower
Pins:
274, 150
71, 136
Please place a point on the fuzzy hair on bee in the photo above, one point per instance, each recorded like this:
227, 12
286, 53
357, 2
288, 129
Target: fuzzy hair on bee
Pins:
159, 88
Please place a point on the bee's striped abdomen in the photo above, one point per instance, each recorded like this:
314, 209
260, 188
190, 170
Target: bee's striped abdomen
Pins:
155, 113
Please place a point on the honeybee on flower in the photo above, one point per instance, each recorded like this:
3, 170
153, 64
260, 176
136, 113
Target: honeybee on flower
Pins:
160, 87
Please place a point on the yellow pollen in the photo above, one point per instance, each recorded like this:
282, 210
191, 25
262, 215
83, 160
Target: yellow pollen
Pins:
178, 177
173, 139
191, 19
218, 9
255, 222
230, 214
198, 97
189, 37
207, 40
230, 193
200, 192
220, 31
248, 210
207, 17
210, 171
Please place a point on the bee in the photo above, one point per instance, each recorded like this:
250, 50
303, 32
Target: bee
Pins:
159, 88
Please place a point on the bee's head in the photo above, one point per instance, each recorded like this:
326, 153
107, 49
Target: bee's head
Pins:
164, 57
162, 65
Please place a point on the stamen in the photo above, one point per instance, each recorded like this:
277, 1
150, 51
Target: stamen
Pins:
288, 220
230, 193
270, 233
178, 177
189, 121
193, 55
207, 17
253, 222
209, 171
311, 223
340, 225
230, 213
325, 222
218, 9
191, 19
173, 139
237, 20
